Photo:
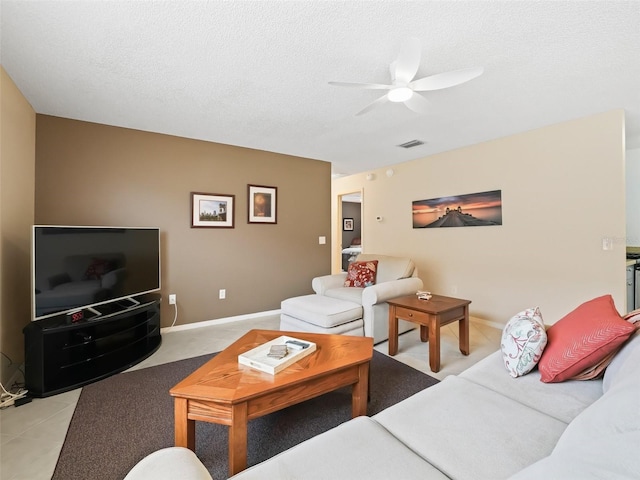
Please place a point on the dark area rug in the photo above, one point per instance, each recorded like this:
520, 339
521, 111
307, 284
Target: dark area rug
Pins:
123, 418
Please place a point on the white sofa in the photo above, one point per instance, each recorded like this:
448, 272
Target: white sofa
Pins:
484, 424
481, 424
323, 312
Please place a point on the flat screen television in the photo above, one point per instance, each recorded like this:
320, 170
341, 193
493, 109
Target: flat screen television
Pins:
77, 268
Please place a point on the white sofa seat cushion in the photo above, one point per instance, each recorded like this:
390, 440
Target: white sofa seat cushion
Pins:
563, 401
321, 310
359, 448
349, 294
169, 463
470, 432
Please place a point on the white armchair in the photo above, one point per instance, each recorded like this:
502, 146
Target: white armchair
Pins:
396, 276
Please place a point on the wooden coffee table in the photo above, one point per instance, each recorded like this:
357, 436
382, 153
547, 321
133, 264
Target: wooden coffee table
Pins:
225, 392
430, 315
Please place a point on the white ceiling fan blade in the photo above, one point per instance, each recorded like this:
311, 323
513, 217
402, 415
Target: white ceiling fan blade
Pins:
406, 65
445, 80
417, 103
368, 86
379, 101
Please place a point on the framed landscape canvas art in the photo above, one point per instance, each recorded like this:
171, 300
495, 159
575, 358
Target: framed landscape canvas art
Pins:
212, 210
469, 210
262, 204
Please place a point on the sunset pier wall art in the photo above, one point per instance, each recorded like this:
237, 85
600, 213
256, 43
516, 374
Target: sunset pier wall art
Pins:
470, 210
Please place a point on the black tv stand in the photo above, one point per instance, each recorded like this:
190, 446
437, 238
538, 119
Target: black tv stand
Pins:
62, 356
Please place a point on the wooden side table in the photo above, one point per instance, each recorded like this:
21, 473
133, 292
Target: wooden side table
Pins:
430, 315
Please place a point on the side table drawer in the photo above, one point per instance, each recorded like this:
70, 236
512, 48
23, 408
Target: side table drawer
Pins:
412, 315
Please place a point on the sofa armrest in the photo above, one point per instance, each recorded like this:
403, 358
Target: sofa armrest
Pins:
169, 463
321, 284
381, 292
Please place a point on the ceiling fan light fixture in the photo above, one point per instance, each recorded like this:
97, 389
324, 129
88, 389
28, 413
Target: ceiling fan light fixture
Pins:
400, 94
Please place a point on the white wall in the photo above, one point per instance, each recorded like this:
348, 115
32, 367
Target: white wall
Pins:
562, 193
633, 197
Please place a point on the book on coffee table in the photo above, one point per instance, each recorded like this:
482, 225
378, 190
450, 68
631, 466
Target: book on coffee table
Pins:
259, 358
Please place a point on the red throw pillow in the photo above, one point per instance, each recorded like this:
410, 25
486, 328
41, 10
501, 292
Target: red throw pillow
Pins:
361, 274
583, 338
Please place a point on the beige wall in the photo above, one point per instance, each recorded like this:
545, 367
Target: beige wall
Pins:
563, 190
17, 160
90, 174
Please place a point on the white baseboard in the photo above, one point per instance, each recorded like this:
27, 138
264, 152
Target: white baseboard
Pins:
249, 316
489, 323
219, 321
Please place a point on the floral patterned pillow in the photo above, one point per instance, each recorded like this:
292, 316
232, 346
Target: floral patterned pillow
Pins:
361, 274
523, 340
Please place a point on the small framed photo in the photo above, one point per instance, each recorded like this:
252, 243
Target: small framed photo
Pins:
212, 210
263, 205
347, 224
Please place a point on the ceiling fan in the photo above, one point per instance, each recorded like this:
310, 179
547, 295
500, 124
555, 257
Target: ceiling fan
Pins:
403, 88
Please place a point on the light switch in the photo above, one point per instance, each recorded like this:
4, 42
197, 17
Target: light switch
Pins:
322, 240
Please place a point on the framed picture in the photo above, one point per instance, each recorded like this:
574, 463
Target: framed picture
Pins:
347, 224
263, 205
468, 210
212, 210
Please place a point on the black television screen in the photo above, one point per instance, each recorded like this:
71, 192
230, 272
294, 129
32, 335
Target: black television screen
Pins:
74, 268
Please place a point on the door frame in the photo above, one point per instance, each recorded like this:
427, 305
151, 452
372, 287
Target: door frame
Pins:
336, 257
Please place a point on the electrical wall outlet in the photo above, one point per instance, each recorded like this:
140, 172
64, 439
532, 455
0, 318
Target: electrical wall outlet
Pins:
172, 299
222, 294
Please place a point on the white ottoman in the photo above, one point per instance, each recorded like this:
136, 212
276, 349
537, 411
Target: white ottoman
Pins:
320, 314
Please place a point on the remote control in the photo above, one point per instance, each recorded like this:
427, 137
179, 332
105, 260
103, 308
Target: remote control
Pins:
296, 344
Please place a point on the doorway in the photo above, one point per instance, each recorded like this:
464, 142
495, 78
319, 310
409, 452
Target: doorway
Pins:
350, 227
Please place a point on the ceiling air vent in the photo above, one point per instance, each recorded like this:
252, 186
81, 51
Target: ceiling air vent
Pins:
411, 144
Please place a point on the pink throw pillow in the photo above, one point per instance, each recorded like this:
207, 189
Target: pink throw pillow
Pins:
583, 338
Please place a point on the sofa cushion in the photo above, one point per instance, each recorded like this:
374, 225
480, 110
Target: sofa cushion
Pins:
348, 294
359, 448
470, 432
607, 458
389, 267
625, 363
562, 401
616, 412
361, 274
602, 441
582, 338
523, 341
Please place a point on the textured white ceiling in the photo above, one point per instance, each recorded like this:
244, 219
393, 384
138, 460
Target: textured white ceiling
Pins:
255, 74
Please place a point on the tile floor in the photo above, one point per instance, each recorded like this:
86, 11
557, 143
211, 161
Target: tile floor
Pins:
32, 435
